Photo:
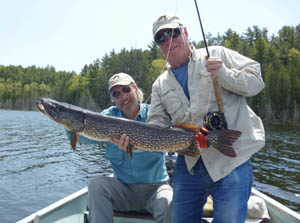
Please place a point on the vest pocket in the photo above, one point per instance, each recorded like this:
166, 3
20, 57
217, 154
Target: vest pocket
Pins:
173, 104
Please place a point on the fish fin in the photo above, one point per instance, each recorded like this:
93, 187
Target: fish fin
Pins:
78, 139
73, 140
204, 131
202, 140
222, 140
192, 150
129, 150
190, 127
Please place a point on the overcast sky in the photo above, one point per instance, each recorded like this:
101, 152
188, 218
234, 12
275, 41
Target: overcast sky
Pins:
68, 34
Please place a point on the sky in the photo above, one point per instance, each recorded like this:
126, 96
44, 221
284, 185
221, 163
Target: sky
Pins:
68, 34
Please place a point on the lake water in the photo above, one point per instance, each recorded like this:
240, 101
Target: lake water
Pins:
38, 166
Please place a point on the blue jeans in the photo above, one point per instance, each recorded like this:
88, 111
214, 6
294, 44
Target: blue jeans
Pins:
230, 194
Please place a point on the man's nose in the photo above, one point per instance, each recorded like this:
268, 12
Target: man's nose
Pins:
123, 95
169, 39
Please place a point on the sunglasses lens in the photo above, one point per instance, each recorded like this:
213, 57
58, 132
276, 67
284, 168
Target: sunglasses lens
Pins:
161, 37
126, 89
117, 94
176, 32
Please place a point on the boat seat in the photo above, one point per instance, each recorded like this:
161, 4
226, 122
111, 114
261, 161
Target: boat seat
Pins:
133, 214
208, 212
123, 216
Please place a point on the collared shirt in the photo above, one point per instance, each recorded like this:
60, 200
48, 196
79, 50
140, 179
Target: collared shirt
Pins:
182, 78
239, 77
144, 167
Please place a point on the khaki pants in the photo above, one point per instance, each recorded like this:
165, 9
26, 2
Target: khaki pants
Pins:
106, 194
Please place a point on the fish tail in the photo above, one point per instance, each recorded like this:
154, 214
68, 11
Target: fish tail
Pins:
222, 140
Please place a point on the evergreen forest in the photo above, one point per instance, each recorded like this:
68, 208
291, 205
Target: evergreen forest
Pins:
279, 56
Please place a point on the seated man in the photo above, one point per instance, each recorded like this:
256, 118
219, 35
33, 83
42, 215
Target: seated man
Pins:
140, 182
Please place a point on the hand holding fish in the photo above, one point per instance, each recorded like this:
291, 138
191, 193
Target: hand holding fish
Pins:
122, 143
213, 64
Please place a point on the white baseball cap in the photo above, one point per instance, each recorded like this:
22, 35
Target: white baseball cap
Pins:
166, 22
120, 79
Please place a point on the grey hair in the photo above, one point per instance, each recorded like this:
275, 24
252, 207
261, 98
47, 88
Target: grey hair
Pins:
140, 94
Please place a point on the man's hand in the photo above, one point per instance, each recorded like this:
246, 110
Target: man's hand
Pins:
213, 64
122, 143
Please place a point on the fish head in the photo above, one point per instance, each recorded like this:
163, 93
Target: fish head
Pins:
71, 117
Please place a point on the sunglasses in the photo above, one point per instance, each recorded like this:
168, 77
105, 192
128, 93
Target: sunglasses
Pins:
117, 94
161, 37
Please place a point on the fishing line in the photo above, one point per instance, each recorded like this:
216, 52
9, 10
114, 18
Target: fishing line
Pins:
206, 47
168, 52
163, 68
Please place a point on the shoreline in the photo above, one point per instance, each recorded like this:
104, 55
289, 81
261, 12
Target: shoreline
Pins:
276, 122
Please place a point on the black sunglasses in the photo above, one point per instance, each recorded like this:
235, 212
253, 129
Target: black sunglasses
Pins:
116, 94
161, 37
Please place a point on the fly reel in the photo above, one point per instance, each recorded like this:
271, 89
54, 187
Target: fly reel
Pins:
215, 121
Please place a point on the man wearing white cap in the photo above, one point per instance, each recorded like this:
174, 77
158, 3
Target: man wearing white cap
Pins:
183, 93
140, 182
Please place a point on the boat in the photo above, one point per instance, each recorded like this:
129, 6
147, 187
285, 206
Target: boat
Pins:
73, 209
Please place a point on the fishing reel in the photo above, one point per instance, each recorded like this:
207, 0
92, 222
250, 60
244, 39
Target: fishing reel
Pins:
215, 121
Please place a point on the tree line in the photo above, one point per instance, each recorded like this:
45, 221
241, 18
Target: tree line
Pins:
279, 56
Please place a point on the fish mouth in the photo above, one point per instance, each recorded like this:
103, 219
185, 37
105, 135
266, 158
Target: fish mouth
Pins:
44, 107
40, 106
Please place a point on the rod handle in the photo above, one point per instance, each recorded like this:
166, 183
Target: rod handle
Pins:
218, 95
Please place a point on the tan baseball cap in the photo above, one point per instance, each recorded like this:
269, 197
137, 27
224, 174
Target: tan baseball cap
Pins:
166, 22
120, 79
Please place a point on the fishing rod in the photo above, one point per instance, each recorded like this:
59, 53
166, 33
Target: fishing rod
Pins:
202, 30
214, 120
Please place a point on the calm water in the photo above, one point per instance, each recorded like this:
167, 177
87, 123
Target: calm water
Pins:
38, 166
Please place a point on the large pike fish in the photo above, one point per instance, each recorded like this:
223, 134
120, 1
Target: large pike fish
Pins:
179, 138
